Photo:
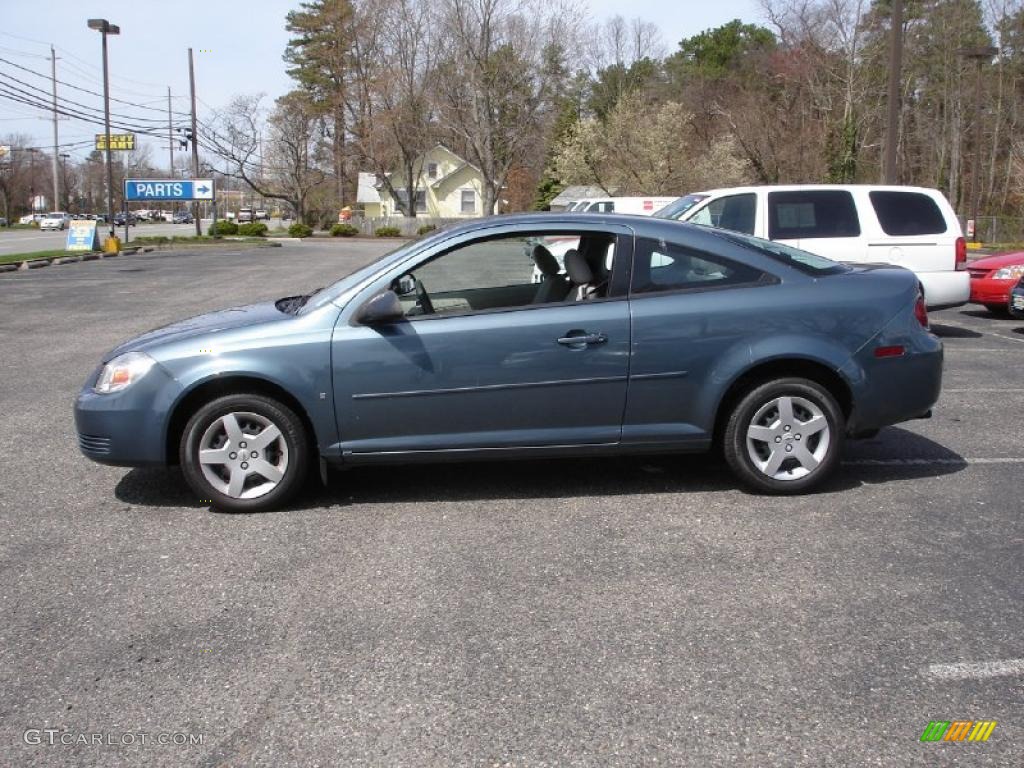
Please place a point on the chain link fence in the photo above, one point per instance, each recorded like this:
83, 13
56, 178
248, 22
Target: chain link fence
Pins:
997, 229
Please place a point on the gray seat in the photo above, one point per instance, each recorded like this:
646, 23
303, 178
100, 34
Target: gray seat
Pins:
582, 276
554, 286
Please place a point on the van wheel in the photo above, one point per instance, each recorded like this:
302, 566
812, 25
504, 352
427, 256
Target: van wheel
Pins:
784, 436
245, 453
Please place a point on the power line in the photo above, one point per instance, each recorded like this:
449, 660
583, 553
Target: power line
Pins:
85, 90
78, 103
19, 95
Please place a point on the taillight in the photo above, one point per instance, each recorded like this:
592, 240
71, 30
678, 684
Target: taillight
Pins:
961, 253
921, 311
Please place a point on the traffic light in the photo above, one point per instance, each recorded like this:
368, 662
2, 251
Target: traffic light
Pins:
185, 138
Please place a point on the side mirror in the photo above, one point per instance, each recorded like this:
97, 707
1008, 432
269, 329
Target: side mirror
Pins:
405, 285
382, 308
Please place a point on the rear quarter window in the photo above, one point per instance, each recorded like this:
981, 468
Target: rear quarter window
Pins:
806, 214
908, 213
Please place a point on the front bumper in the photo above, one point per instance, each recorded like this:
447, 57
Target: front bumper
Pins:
988, 291
126, 428
1016, 305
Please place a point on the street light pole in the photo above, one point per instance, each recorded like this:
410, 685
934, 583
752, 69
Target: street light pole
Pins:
979, 55
106, 28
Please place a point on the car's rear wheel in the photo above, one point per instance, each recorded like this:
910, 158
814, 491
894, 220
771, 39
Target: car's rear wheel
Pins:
245, 453
1000, 310
784, 436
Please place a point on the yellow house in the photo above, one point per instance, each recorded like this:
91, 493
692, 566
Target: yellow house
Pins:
448, 187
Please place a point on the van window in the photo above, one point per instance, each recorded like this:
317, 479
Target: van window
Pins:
907, 213
735, 213
805, 214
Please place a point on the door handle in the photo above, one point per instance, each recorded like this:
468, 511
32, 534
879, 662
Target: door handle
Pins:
582, 339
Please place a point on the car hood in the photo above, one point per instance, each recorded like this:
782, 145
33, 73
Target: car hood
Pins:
224, 319
998, 261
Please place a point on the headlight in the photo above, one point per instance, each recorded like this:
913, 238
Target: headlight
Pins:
123, 371
1009, 273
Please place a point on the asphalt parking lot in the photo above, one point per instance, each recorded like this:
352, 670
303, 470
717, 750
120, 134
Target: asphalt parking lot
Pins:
603, 612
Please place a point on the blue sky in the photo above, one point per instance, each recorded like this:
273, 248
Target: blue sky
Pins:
238, 47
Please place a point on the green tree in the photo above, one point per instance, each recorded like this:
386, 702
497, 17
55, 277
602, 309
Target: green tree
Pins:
319, 58
720, 51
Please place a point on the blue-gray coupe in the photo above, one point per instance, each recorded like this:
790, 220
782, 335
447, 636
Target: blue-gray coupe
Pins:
528, 335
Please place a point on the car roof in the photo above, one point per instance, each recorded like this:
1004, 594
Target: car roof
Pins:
645, 226
823, 187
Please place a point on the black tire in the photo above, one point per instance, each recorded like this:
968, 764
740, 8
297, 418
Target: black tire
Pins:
294, 453
735, 443
999, 310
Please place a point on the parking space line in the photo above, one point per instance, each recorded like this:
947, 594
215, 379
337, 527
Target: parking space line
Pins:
984, 389
936, 461
977, 349
976, 670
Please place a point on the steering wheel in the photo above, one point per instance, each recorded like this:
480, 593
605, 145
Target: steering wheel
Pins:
422, 299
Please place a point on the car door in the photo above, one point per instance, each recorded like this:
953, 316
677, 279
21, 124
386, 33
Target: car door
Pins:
691, 309
475, 364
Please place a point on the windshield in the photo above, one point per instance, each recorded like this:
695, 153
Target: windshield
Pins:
329, 293
677, 208
809, 263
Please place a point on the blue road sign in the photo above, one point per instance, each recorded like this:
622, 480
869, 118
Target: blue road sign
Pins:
136, 190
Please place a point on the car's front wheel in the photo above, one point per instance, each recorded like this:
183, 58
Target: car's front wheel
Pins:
784, 436
245, 453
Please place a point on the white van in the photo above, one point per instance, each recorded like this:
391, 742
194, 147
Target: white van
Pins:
639, 206
911, 227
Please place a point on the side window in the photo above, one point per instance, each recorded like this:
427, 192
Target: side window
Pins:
805, 214
907, 213
735, 212
662, 266
501, 273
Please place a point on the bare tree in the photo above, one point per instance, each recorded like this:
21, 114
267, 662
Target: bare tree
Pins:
392, 99
287, 162
495, 88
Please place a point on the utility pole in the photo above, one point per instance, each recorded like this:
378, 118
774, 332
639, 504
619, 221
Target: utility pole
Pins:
53, 81
170, 133
195, 141
895, 80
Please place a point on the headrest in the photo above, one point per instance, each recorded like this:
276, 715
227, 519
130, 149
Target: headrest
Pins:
545, 261
577, 267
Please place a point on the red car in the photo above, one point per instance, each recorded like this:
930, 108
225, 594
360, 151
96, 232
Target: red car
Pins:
993, 278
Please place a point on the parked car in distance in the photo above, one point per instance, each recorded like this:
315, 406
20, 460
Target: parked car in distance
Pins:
261, 214
640, 206
183, 217
119, 219
3, 221
1017, 299
445, 350
55, 220
102, 217
992, 279
910, 227
244, 215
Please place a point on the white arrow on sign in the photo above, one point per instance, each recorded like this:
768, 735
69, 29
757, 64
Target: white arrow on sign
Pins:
202, 189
